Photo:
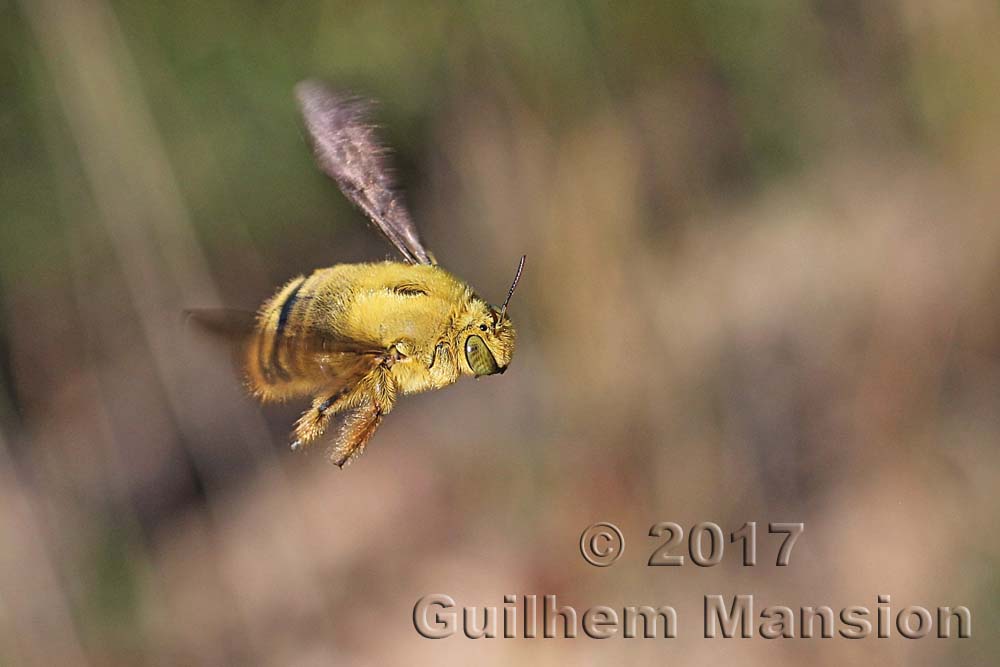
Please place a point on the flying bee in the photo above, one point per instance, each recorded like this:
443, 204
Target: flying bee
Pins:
353, 337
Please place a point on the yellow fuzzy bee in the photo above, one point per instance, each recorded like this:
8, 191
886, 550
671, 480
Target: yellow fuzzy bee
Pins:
355, 336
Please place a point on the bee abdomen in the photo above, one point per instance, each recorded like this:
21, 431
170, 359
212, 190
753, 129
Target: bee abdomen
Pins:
266, 362
283, 313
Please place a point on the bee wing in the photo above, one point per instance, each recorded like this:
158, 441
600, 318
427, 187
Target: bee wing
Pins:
292, 365
348, 151
228, 327
305, 363
225, 323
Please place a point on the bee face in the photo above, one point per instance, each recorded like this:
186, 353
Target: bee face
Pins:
487, 340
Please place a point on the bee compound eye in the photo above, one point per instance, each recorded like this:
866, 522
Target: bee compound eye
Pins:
479, 357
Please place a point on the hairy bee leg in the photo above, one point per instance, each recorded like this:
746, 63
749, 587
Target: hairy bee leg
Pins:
379, 383
361, 423
314, 421
357, 429
442, 367
441, 348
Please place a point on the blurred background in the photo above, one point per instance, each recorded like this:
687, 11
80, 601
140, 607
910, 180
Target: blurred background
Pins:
762, 284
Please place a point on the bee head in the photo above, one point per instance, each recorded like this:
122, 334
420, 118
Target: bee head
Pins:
488, 337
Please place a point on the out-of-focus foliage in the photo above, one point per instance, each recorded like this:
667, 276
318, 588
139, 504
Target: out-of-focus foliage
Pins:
761, 285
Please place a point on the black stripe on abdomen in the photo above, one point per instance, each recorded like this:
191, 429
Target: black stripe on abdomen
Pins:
273, 365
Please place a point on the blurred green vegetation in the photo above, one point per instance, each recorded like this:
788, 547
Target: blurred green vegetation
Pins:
218, 77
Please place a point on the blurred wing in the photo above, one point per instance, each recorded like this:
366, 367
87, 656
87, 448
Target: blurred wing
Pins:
348, 151
229, 328
225, 323
306, 363
291, 364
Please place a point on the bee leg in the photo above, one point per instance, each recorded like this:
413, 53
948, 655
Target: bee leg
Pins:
443, 366
315, 420
360, 424
357, 429
442, 350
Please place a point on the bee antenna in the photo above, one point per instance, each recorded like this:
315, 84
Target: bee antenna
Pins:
517, 276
